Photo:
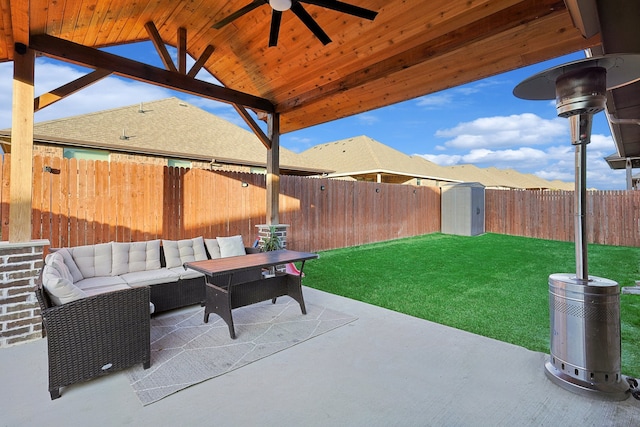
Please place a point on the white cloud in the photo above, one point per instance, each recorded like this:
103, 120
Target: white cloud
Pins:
602, 142
435, 100
442, 159
510, 157
368, 119
110, 92
504, 131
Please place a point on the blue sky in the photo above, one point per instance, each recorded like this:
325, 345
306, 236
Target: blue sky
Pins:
480, 123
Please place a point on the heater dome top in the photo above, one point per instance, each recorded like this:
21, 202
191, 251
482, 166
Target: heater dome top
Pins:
621, 69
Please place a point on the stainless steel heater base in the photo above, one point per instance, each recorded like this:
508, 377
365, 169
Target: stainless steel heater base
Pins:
612, 392
585, 337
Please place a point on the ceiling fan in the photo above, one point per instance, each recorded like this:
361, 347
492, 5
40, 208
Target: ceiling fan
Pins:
279, 6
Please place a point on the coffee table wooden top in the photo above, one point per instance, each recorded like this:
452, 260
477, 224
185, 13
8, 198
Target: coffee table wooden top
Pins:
220, 266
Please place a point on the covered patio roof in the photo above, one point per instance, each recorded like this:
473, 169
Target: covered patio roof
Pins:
410, 49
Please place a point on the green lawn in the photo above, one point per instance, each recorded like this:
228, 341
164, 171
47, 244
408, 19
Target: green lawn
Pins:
493, 285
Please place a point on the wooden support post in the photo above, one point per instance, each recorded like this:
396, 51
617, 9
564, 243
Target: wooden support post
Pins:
273, 169
21, 145
182, 50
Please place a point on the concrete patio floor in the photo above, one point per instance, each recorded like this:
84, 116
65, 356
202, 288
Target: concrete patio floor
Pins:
384, 369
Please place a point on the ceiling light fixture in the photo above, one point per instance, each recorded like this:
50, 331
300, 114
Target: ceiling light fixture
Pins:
280, 5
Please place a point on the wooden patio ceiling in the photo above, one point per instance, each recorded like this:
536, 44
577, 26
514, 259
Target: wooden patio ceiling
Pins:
412, 48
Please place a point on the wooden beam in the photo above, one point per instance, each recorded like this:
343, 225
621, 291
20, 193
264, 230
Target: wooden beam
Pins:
253, 125
182, 50
515, 16
93, 58
154, 35
208, 51
63, 91
21, 146
273, 170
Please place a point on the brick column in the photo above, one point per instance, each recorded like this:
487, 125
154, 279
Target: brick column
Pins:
264, 231
20, 264
280, 230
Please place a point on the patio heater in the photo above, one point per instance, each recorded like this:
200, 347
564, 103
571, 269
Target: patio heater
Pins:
584, 311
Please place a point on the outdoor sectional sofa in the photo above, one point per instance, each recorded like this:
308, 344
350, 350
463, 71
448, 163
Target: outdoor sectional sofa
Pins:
96, 300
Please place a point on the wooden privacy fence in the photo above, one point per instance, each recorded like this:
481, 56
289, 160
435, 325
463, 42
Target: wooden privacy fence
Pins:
92, 201
612, 217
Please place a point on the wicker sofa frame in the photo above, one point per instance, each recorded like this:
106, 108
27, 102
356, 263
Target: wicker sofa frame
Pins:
95, 336
186, 292
109, 332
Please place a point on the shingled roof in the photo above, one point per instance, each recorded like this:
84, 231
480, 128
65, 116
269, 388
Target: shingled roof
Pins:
169, 127
363, 158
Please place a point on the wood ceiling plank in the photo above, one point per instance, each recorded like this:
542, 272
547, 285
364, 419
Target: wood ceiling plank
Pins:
6, 35
71, 16
100, 17
38, 15
19, 11
55, 15
128, 16
84, 20
132, 28
439, 17
548, 38
515, 16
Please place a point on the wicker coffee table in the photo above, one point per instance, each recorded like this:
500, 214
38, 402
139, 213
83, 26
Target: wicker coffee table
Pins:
226, 289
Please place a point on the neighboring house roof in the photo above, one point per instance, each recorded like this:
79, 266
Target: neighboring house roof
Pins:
362, 156
170, 128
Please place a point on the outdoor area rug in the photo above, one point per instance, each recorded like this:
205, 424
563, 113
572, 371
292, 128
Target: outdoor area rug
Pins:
186, 351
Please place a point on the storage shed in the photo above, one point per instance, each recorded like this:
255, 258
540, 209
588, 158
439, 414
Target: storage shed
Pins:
462, 209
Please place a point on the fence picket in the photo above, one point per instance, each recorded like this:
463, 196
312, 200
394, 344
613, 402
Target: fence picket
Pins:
93, 202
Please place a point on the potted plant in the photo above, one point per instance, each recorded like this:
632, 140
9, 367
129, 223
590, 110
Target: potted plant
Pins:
271, 243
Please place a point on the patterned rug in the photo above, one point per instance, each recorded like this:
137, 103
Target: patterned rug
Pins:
185, 351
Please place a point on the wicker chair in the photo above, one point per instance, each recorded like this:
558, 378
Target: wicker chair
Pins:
96, 335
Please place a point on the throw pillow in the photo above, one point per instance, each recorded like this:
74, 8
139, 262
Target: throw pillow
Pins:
120, 258
199, 252
213, 248
60, 290
231, 246
93, 260
71, 264
171, 253
56, 261
176, 253
153, 255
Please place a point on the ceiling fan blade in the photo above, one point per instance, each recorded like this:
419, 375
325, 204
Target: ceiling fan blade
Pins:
360, 12
238, 13
310, 22
276, 17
